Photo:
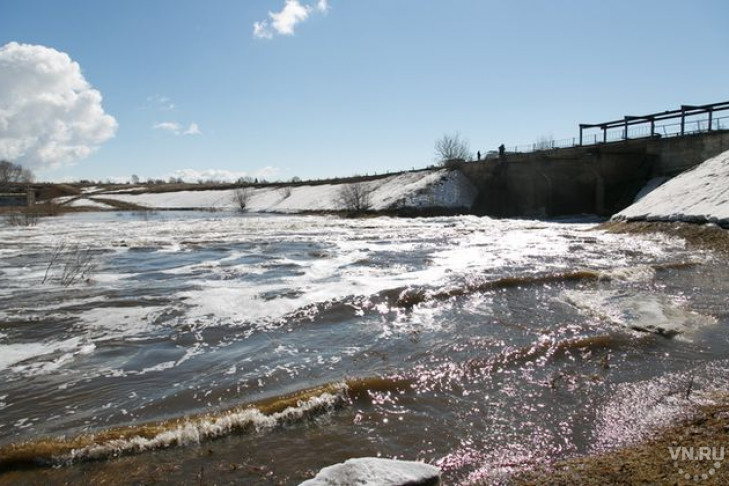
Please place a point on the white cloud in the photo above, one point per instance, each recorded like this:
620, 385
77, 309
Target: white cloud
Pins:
193, 129
221, 175
322, 6
267, 172
261, 30
172, 127
50, 116
162, 103
284, 22
176, 128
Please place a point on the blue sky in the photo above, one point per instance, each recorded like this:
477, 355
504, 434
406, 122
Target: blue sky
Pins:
339, 87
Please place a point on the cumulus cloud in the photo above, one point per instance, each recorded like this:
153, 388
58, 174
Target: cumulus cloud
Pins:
284, 21
176, 128
221, 175
50, 116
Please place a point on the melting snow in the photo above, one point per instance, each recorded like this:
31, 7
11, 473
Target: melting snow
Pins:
698, 195
434, 188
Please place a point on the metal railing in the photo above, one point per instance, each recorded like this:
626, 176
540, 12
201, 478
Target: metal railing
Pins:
701, 120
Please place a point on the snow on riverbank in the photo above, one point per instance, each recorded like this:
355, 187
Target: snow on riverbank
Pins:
422, 189
699, 195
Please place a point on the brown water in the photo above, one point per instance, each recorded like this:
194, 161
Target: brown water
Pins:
213, 348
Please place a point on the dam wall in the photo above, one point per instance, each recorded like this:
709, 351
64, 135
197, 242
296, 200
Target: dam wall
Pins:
598, 179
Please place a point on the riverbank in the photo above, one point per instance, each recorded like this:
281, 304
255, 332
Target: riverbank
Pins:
658, 460
434, 189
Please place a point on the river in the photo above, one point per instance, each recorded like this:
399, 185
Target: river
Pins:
213, 347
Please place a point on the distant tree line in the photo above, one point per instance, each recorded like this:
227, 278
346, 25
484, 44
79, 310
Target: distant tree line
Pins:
14, 174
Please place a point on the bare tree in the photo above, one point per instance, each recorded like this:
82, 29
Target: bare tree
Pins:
285, 191
14, 174
544, 143
241, 196
355, 197
451, 147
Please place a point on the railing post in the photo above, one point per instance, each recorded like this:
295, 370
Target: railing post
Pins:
683, 120
711, 117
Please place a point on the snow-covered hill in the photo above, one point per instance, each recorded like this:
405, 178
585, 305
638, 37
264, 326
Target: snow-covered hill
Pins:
423, 189
699, 195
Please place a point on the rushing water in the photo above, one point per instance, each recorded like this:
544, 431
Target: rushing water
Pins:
217, 348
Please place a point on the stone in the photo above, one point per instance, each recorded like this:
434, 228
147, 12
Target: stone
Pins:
372, 471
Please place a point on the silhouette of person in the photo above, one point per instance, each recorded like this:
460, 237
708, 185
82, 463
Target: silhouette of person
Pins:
478, 155
502, 150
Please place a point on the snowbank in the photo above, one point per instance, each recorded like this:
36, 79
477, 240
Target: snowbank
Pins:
422, 189
87, 203
370, 471
699, 195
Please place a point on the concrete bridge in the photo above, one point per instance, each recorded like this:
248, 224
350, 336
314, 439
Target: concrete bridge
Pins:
18, 195
601, 178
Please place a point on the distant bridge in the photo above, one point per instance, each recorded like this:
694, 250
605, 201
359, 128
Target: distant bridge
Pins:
18, 195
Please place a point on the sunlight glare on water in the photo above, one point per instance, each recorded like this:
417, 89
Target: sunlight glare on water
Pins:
434, 339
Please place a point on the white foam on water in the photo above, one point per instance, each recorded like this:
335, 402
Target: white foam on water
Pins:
13, 354
638, 273
158, 367
204, 428
119, 322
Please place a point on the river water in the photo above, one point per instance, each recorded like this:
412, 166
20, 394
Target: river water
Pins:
216, 348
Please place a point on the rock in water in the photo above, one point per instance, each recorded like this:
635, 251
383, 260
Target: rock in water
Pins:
372, 471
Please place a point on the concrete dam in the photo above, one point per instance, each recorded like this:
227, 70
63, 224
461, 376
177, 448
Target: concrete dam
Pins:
602, 178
